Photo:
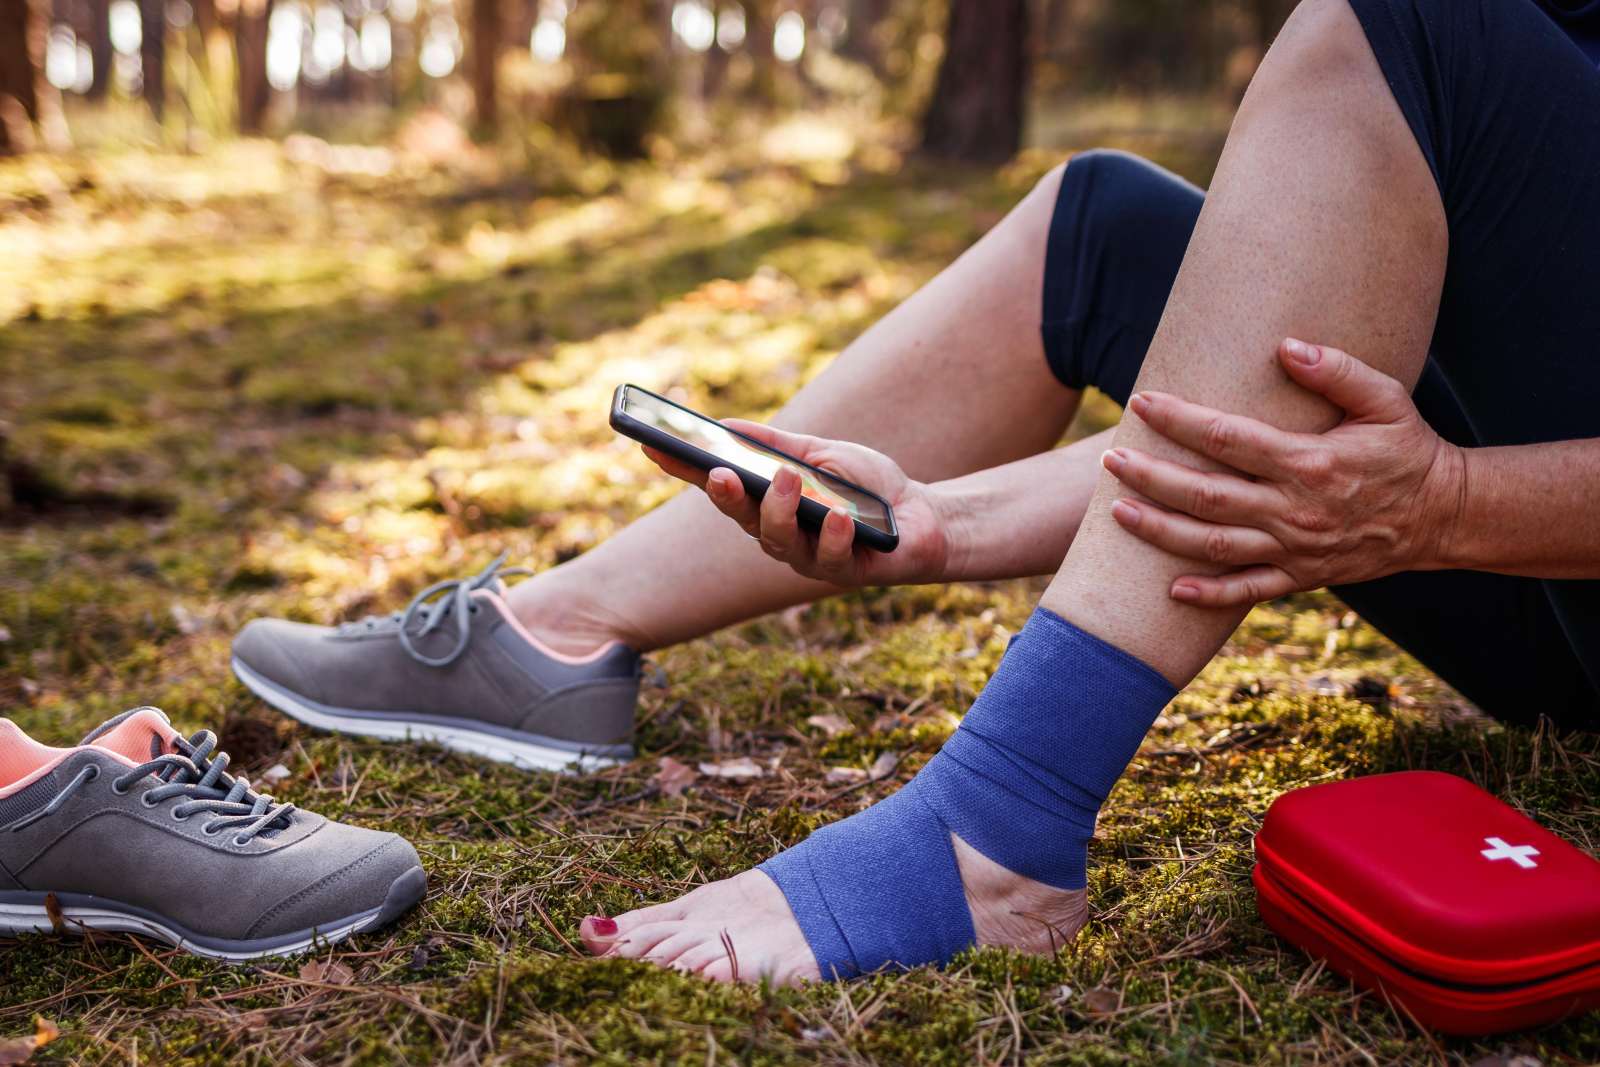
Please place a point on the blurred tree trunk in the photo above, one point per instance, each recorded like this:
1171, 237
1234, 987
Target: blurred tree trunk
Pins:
206, 28
976, 111
153, 54
485, 58
100, 47
1267, 16
26, 98
758, 26
250, 55
861, 37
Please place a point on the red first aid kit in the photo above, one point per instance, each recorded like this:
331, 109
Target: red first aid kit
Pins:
1421, 885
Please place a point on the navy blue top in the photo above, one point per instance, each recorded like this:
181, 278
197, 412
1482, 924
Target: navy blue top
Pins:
1581, 21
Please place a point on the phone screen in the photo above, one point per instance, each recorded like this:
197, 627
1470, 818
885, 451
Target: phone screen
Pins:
719, 441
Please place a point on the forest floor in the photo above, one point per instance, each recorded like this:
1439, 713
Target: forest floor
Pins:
305, 381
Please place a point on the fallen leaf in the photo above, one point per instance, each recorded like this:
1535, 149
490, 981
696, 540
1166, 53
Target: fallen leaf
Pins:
830, 724
1101, 1001
890, 720
840, 775
327, 972
851, 656
21, 1049
52, 911
672, 777
184, 619
742, 767
884, 766
1325, 685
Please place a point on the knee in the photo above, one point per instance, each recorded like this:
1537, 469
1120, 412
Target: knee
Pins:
1321, 46
1113, 197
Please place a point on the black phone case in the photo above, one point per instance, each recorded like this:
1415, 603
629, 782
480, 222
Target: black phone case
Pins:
810, 513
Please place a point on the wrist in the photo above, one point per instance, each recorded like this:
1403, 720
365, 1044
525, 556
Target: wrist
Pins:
1444, 503
953, 516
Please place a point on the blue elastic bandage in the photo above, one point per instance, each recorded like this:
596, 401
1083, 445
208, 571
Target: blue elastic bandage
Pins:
1020, 781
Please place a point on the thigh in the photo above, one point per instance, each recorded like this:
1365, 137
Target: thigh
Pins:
954, 379
1506, 109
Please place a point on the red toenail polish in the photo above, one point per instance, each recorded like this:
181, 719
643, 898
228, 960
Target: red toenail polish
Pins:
603, 926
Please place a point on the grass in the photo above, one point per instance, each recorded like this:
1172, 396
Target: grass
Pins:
256, 382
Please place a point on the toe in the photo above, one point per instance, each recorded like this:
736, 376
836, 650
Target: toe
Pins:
697, 959
654, 913
598, 934
666, 953
637, 942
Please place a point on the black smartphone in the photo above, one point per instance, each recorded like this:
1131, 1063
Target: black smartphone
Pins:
706, 443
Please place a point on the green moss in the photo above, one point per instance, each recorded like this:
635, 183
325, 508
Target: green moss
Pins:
350, 389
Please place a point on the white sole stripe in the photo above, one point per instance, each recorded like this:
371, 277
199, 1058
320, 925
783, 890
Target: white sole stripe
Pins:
523, 754
28, 918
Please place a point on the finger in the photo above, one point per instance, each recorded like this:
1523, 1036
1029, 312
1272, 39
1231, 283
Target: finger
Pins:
1214, 497
1236, 589
676, 467
780, 532
836, 547
1192, 539
799, 445
727, 493
1240, 442
1357, 389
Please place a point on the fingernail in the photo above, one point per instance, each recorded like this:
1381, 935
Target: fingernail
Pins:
1184, 591
1302, 353
1125, 513
785, 481
1113, 460
839, 520
602, 926
1139, 403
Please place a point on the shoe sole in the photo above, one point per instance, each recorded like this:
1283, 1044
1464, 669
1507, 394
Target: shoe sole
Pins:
529, 755
25, 913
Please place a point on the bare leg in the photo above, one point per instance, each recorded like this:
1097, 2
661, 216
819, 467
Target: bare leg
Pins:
1323, 223
952, 381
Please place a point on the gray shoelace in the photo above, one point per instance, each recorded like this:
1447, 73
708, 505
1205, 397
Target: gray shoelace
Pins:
191, 772
198, 773
454, 600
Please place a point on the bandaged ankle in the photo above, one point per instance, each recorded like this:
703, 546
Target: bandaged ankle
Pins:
1021, 782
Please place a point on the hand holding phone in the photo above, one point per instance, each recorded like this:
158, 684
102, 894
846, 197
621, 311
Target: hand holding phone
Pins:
831, 549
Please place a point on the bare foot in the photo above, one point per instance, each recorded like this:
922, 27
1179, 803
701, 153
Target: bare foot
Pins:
741, 929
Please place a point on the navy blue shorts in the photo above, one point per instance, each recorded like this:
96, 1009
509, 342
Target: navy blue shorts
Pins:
1506, 110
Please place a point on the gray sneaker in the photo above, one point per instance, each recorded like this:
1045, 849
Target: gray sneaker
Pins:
455, 668
139, 830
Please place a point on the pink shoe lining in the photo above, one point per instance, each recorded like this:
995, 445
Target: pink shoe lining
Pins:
504, 609
24, 761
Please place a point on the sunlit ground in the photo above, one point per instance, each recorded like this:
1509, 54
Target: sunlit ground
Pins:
307, 381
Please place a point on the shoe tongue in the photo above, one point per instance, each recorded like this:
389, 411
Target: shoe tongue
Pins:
130, 737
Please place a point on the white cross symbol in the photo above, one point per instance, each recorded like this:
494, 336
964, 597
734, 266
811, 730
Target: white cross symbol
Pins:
1517, 854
